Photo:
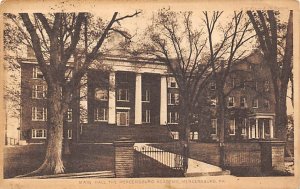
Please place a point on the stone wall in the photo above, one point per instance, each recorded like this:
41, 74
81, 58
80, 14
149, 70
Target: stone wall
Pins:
206, 152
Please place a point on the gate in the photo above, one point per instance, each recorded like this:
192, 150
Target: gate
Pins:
153, 162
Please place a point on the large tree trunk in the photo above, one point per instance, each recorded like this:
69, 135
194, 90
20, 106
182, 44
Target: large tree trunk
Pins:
53, 163
184, 125
281, 120
184, 118
221, 126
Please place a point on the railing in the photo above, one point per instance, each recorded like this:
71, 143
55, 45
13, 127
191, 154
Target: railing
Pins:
149, 157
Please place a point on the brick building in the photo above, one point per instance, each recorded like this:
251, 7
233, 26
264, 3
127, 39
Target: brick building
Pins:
139, 98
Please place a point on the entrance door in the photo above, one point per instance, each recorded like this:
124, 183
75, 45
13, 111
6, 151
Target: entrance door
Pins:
123, 118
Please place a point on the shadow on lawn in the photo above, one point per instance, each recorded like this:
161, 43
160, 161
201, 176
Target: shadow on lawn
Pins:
20, 160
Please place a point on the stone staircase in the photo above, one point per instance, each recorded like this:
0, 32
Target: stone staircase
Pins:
105, 134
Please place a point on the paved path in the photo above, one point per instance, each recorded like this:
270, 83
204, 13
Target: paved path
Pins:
195, 167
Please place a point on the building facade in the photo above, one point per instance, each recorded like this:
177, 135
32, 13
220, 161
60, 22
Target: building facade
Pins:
139, 98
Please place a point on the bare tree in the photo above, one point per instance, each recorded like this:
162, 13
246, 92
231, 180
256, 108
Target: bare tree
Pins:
174, 41
278, 53
54, 39
223, 55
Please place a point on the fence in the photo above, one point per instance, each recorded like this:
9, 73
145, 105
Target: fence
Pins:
151, 161
242, 154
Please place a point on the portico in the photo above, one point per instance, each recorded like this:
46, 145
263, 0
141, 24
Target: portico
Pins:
129, 84
261, 126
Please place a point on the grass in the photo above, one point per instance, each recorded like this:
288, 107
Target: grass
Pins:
20, 160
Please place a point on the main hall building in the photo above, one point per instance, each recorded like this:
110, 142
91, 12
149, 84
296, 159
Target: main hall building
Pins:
138, 98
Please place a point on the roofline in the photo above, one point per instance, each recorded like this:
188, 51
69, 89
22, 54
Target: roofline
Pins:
113, 58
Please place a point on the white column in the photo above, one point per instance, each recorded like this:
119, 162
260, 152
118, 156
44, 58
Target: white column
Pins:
138, 99
163, 100
112, 99
256, 128
271, 128
249, 129
263, 130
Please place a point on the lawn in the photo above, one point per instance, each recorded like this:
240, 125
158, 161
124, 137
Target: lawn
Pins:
20, 160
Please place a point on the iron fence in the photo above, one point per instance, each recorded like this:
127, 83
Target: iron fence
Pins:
148, 157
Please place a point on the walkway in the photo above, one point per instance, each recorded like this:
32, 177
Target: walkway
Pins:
195, 167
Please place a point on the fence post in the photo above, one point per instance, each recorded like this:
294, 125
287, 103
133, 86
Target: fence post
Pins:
124, 158
272, 155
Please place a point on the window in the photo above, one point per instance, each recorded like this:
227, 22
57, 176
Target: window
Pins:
231, 101
146, 116
213, 85
232, 127
172, 82
214, 126
242, 84
69, 115
68, 74
70, 133
243, 102
39, 91
38, 133
101, 114
39, 114
101, 94
266, 104
267, 86
213, 101
175, 135
173, 117
255, 103
123, 95
37, 73
146, 95
173, 98
194, 135
244, 127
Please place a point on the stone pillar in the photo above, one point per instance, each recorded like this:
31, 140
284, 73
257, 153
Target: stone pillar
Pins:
271, 129
272, 156
124, 158
163, 100
112, 99
138, 99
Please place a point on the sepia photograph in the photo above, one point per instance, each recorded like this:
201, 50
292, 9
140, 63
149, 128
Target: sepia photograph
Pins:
176, 95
